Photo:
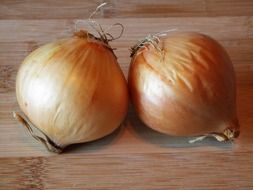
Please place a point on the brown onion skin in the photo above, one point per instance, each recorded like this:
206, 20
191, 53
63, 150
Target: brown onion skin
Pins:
73, 90
186, 89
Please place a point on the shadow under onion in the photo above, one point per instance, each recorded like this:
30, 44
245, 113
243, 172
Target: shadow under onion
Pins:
95, 145
163, 140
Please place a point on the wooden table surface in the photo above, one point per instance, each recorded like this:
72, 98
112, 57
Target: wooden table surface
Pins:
133, 157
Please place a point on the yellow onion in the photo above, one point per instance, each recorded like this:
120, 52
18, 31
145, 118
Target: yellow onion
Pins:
184, 85
72, 90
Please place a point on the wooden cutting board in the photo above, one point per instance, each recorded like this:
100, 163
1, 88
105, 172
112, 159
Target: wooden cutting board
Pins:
133, 157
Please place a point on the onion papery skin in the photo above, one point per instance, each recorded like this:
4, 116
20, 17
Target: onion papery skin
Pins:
73, 90
184, 85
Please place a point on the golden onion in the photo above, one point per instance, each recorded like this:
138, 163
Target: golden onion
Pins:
72, 90
184, 85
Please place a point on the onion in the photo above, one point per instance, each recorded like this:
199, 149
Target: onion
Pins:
72, 90
184, 85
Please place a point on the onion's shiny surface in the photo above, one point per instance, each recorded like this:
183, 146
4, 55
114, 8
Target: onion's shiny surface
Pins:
184, 85
73, 90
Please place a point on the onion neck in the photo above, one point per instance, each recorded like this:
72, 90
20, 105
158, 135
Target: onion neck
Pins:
83, 34
46, 141
149, 40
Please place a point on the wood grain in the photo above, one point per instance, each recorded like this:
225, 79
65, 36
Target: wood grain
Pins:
79, 9
134, 156
194, 170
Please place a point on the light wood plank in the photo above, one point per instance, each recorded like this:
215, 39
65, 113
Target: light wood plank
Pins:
236, 37
36, 32
79, 9
194, 170
132, 137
